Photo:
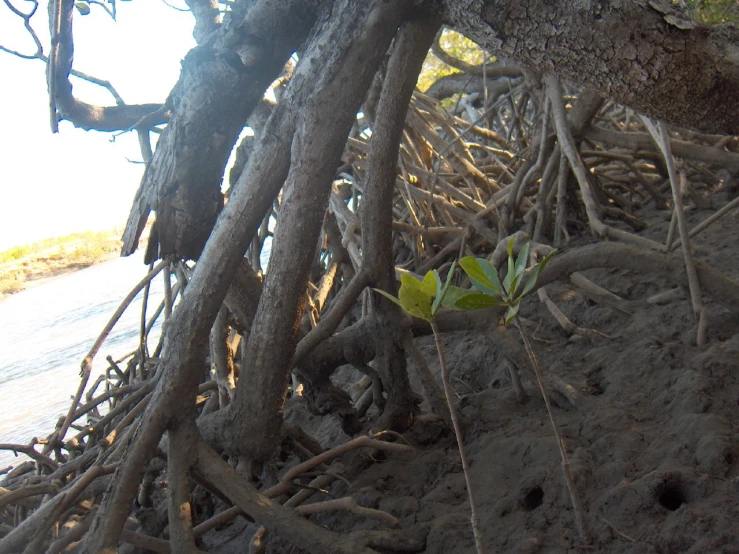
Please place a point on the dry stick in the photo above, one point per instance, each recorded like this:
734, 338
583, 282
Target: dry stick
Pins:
11, 497
72, 535
34, 529
574, 497
320, 483
564, 321
567, 144
661, 138
475, 518
561, 215
350, 505
430, 387
443, 151
31, 452
87, 362
600, 295
143, 353
710, 220
279, 519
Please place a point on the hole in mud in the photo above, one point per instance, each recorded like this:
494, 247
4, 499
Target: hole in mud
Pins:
533, 499
672, 497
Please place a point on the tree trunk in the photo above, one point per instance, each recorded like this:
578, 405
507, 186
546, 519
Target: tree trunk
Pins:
645, 54
358, 36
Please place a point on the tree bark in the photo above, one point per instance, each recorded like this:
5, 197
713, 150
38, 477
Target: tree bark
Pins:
221, 82
644, 54
356, 36
405, 63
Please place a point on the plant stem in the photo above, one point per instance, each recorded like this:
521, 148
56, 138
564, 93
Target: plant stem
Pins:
475, 519
574, 497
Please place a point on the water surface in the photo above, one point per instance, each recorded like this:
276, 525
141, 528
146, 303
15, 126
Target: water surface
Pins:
47, 330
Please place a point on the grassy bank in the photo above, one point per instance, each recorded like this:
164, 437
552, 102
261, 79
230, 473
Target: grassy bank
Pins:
24, 266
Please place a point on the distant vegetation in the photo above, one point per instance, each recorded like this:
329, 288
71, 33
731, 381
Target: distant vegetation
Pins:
21, 265
712, 12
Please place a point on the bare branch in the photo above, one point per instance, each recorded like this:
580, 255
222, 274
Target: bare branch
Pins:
109, 11
26, 17
175, 7
61, 98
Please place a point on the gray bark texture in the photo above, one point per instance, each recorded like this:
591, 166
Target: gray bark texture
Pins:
221, 83
644, 54
354, 37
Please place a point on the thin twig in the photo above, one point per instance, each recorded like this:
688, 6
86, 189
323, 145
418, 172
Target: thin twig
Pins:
475, 518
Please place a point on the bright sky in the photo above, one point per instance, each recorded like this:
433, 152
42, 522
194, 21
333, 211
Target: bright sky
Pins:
52, 185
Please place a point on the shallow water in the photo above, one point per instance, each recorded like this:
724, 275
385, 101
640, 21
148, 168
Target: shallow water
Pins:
46, 331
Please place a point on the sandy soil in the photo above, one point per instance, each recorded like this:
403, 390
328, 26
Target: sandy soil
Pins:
653, 441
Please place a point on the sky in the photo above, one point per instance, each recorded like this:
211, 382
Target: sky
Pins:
57, 184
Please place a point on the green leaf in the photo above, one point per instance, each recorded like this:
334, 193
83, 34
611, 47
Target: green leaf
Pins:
482, 280
437, 281
449, 276
512, 312
476, 301
82, 7
453, 294
429, 286
534, 276
523, 257
511, 269
389, 297
441, 290
415, 302
408, 280
492, 273
514, 286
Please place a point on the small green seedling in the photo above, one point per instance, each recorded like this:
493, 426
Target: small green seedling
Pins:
421, 299
490, 290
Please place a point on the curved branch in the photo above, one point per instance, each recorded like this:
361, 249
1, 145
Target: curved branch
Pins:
276, 518
490, 70
81, 114
683, 149
623, 256
469, 84
26, 17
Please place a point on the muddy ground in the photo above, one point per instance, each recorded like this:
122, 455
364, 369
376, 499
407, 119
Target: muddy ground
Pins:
653, 443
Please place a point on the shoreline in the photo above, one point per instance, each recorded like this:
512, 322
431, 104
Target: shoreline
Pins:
54, 259
50, 274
